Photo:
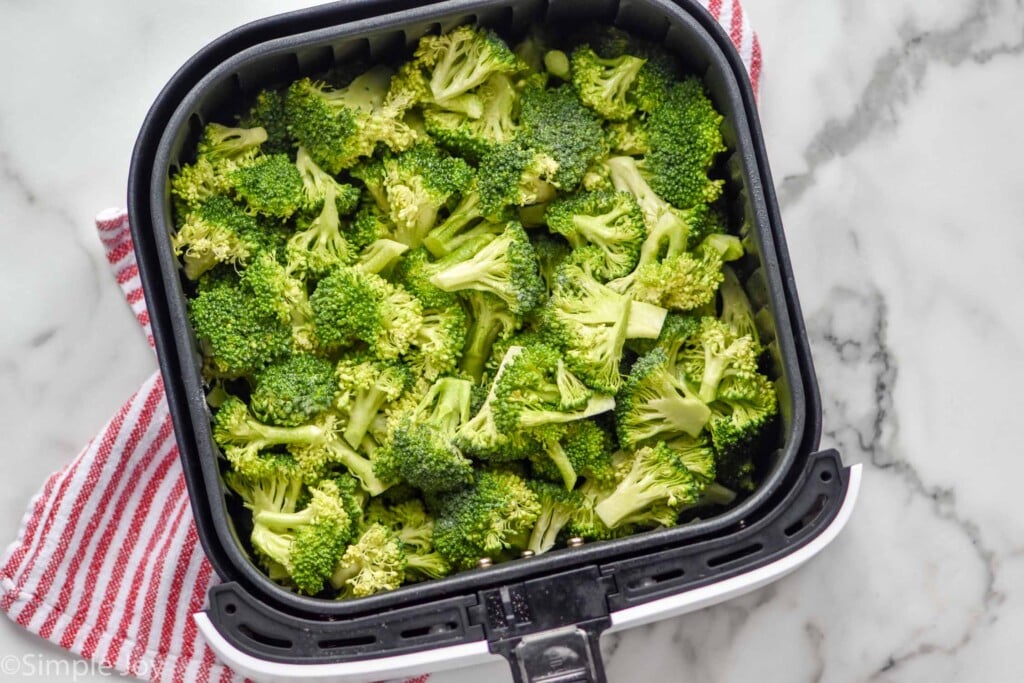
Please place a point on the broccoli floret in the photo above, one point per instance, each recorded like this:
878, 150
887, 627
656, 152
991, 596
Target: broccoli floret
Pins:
369, 224
235, 429
685, 136
737, 312
586, 447
654, 403
556, 509
604, 84
743, 415
414, 529
365, 386
481, 436
216, 231
656, 475
610, 221
551, 251
268, 112
239, 333
472, 136
273, 288
437, 347
338, 127
584, 521
683, 282
380, 257
271, 185
556, 123
350, 305
490, 320
421, 451
513, 174
417, 183
462, 59
504, 266
318, 460
374, 563
494, 513
714, 354
627, 137
676, 331
697, 455
223, 143
460, 225
294, 391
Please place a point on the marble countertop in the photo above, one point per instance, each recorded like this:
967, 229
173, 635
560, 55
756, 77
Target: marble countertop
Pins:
894, 133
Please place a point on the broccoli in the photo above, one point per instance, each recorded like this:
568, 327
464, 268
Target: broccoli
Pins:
556, 509
414, 529
737, 312
380, 256
490, 320
504, 266
654, 403
271, 185
682, 282
714, 354
627, 138
365, 386
268, 112
742, 416
437, 347
417, 184
294, 391
371, 223
337, 127
374, 563
604, 84
461, 60
273, 288
350, 305
586, 448
472, 136
216, 231
611, 221
225, 144
460, 225
513, 174
656, 475
685, 136
421, 451
556, 123
495, 513
317, 460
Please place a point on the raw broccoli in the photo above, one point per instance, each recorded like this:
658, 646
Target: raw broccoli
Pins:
556, 123
317, 460
274, 288
586, 447
374, 563
513, 174
495, 513
268, 112
736, 311
216, 231
610, 221
604, 84
380, 257
224, 143
490, 320
742, 417
504, 266
437, 348
242, 436
294, 391
685, 137
654, 403
414, 528
716, 353
338, 127
460, 225
472, 136
556, 509
240, 334
365, 386
271, 185
370, 224
656, 475
421, 451
682, 282
417, 183
461, 60
350, 305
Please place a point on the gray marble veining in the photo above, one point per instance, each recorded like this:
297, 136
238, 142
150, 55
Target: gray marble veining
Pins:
894, 132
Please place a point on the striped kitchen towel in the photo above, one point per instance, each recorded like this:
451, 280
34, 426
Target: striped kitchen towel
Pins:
107, 563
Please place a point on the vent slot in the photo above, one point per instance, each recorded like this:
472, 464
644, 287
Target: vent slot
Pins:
429, 630
727, 558
263, 638
351, 641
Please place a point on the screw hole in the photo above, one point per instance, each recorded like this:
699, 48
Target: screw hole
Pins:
230, 609
825, 476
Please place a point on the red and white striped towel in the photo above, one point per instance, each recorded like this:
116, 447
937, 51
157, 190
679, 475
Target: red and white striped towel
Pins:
107, 563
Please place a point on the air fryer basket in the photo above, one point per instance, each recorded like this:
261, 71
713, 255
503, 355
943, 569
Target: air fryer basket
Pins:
799, 495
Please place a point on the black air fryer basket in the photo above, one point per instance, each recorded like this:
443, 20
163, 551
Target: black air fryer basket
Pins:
544, 614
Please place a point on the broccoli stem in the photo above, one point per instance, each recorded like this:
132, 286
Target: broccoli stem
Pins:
558, 456
361, 416
360, 467
645, 321
625, 501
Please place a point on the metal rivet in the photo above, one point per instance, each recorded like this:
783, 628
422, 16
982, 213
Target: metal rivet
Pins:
484, 562
527, 553
575, 542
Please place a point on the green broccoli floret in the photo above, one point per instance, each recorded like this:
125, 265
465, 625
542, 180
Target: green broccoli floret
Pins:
556, 509
714, 354
294, 391
682, 282
223, 143
604, 84
628, 138
495, 513
504, 266
380, 257
237, 431
417, 184
610, 221
350, 305
481, 436
415, 529
365, 386
437, 347
586, 447
556, 123
239, 333
370, 224
274, 288
676, 331
421, 451
584, 521
663, 220
318, 460
461, 60
742, 417
513, 174
737, 312
221, 151
374, 563
472, 136
216, 231
654, 403
685, 136
268, 112
551, 251
338, 127
656, 475
462, 224
271, 185
697, 455
490, 320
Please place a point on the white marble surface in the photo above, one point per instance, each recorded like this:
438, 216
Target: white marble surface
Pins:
894, 131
